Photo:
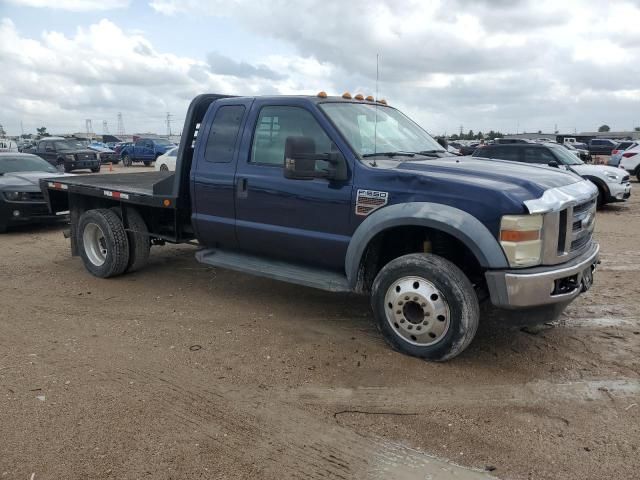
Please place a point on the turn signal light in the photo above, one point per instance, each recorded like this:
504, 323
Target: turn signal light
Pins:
519, 236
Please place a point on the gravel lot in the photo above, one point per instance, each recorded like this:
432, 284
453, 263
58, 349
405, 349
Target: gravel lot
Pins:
182, 371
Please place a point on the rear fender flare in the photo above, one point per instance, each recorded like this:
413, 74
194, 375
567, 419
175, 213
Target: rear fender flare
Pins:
459, 224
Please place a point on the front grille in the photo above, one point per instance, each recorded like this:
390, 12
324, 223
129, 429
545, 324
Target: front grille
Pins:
574, 226
85, 156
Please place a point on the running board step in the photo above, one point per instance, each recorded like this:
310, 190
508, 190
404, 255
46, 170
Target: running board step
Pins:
277, 269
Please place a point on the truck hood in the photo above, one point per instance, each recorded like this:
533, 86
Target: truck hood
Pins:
522, 180
26, 181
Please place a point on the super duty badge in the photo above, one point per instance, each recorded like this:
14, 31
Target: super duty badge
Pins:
369, 200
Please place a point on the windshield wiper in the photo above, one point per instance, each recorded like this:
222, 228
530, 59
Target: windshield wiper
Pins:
430, 153
389, 154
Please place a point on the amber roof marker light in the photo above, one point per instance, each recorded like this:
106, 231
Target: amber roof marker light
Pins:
322, 94
359, 97
346, 95
369, 98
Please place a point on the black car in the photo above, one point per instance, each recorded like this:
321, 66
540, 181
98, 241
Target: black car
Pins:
21, 200
601, 146
67, 155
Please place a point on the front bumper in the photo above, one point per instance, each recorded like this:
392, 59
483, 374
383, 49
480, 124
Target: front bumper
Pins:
539, 286
17, 213
619, 191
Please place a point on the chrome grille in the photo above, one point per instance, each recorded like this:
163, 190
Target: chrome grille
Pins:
568, 231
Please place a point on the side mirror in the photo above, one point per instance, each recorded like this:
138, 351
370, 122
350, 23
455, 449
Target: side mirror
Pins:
301, 162
553, 164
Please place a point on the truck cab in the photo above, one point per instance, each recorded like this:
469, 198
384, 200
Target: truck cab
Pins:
349, 195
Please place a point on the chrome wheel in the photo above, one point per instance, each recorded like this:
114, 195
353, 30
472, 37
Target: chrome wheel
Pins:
95, 244
417, 311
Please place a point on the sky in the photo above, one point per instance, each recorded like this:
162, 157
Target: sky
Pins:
507, 65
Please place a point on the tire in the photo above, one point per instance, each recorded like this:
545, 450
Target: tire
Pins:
103, 243
164, 168
139, 243
600, 198
126, 161
60, 165
146, 164
441, 316
95, 170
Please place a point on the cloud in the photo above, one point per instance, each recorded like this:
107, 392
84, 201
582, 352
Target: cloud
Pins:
223, 65
73, 5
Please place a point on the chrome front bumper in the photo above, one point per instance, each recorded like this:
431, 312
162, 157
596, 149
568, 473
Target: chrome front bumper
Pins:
539, 286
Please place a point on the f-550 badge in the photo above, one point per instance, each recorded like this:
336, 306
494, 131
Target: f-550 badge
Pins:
369, 200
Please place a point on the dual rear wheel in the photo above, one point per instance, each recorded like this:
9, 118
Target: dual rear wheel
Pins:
106, 248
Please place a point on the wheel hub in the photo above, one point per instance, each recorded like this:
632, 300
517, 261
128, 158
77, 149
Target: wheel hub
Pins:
417, 311
95, 244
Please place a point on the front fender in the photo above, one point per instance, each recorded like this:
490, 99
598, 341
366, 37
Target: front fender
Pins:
457, 223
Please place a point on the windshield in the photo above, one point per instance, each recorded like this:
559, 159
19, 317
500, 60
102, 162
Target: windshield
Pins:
163, 142
68, 145
29, 163
566, 157
392, 132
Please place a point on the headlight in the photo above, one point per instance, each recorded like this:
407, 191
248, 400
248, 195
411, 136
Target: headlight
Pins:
521, 239
612, 176
70, 157
16, 196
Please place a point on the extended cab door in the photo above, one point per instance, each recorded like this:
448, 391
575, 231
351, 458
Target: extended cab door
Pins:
47, 151
302, 220
213, 173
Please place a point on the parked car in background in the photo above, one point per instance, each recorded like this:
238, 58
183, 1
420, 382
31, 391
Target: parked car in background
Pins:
67, 154
581, 153
21, 200
630, 161
506, 141
167, 161
469, 148
613, 185
616, 154
601, 146
104, 153
145, 150
7, 145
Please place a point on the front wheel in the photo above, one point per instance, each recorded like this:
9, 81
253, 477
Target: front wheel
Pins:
164, 168
425, 306
126, 161
146, 164
95, 170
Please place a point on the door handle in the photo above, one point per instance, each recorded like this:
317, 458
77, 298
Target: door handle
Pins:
242, 188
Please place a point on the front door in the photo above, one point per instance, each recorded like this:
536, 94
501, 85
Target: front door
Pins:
301, 220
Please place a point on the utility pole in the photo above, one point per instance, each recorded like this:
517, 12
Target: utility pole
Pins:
21, 129
89, 128
169, 124
120, 124
105, 128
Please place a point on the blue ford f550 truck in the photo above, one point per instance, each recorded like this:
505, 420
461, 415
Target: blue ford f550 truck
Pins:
348, 195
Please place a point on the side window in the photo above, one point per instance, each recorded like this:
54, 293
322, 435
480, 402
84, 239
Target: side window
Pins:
140, 143
275, 124
505, 153
149, 144
224, 133
41, 146
538, 155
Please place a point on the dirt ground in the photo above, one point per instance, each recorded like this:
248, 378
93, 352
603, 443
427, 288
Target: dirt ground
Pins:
182, 371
